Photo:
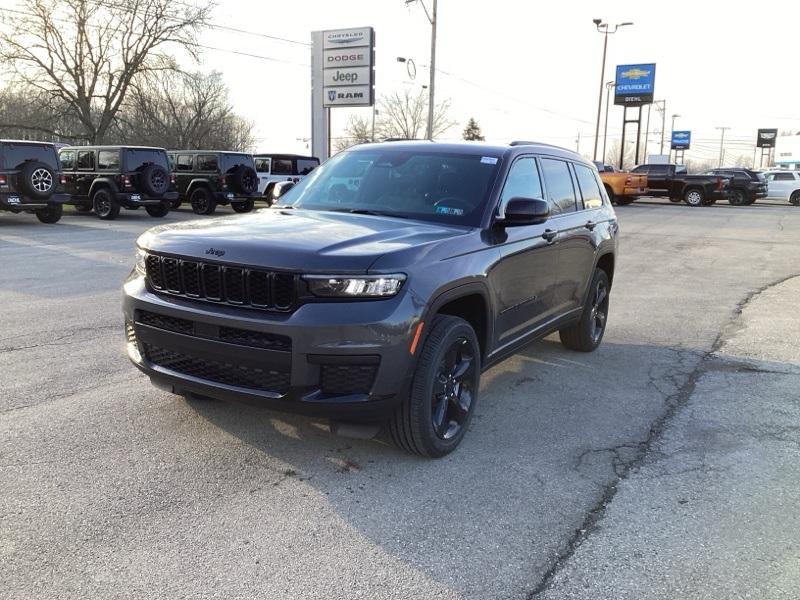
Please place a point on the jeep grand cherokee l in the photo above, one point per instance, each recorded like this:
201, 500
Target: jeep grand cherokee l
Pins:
380, 299
30, 180
107, 178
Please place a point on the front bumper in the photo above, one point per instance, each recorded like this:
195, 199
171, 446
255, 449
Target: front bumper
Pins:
19, 203
339, 360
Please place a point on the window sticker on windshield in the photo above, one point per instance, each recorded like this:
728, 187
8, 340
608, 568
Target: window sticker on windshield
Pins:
446, 210
488, 160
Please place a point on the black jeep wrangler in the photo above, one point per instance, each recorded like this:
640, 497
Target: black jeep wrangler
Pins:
107, 178
207, 178
30, 179
382, 297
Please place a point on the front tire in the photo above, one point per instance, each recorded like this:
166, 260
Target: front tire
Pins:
694, 197
51, 214
586, 334
737, 198
435, 416
243, 207
158, 210
105, 206
202, 202
794, 199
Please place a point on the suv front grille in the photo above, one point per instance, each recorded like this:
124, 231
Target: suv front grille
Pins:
220, 372
253, 288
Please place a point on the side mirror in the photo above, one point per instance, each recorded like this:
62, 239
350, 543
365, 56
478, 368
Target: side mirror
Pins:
280, 189
526, 211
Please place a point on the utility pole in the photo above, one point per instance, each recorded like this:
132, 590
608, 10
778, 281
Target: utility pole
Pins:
647, 131
578, 143
604, 29
722, 144
433, 19
663, 111
609, 86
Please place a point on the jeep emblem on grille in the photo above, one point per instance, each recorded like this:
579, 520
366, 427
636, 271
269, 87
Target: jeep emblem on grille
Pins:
215, 252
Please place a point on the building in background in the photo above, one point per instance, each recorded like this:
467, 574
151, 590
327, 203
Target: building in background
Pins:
787, 152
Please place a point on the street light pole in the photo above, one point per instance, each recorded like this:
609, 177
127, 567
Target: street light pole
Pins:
672, 135
604, 29
722, 144
663, 111
609, 86
432, 18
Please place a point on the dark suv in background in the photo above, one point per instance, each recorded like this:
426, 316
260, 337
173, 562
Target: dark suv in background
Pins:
207, 178
31, 180
381, 297
107, 178
744, 186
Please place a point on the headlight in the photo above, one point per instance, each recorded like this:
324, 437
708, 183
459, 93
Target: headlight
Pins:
141, 268
369, 286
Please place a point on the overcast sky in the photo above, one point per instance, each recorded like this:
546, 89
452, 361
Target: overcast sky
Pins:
526, 69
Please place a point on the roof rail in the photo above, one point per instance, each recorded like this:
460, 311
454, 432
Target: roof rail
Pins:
529, 143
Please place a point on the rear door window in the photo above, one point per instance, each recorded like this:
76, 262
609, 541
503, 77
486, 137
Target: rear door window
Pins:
784, 177
306, 165
184, 162
262, 165
86, 160
281, 166
590, 189
558, 182
108, 160
207, 162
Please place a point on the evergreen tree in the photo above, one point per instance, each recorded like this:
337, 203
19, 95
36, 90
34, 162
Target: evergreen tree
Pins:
473, 131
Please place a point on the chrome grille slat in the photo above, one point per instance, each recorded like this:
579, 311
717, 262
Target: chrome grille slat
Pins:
207, 281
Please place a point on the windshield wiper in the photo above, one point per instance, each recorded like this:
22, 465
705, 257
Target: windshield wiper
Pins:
367, 211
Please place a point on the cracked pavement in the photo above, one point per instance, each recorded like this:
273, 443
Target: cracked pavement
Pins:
660, 466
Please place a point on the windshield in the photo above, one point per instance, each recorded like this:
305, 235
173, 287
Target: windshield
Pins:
15, 155
430, 186
231, 161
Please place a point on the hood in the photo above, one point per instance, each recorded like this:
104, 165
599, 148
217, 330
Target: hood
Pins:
297, 240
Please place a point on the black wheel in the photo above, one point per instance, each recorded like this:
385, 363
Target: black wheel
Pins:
202, 202
245, 180
105, 206
153, 180
243, 207
158, 210
51, 214
795, 198
435, 416
610, 194
586, 334
694, 197
737, 197
176, 204
83, 208
268, 193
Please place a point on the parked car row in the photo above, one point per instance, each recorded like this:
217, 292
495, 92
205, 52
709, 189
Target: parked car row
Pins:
41, 177
740, 186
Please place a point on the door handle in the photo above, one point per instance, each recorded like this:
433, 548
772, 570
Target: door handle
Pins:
590, 225
550, 235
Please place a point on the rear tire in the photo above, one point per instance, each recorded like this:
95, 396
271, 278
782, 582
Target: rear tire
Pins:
105, 205
694, 197
82, 208
243, 207
624, 200
586, 334
794, 199
158, 210
434, 417
203, 203
51, 214
737, 198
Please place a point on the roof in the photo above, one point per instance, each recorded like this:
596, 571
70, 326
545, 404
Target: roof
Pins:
111, 147
25, 142
276, 155
473, 148
195, 151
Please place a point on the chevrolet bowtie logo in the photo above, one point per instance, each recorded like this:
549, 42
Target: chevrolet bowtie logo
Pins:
635, 73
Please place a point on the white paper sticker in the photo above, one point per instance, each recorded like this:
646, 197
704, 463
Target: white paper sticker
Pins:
488, 160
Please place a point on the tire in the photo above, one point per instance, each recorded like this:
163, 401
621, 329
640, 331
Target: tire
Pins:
37, 180
624, 200
154, 180
245, 180
243, 207
737, 197
51, 214
203, 203
611, 197
105, 205
587, 334
432, 423
268, 193
176, 204
694, 197
158, 210
794, 199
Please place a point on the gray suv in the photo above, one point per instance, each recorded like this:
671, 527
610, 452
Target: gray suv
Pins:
380, 287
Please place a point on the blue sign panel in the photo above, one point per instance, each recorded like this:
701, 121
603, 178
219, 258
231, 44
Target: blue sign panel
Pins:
635, 84
681, 140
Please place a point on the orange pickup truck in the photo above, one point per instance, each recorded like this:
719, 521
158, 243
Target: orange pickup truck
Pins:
622, 187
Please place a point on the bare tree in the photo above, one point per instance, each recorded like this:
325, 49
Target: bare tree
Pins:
85, 54
357, 131
405, 115
183, 111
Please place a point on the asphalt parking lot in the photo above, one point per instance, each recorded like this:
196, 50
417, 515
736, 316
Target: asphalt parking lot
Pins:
664, 465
